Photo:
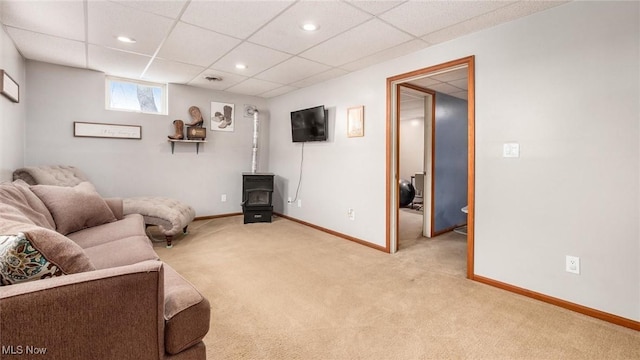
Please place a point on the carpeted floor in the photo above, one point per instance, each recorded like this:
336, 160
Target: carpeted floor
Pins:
282, 290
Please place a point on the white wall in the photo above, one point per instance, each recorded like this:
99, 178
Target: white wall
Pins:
563, 83
338, 174
412, 140
122, 167
12, 115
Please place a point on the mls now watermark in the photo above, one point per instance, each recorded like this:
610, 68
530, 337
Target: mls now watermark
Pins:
23, 350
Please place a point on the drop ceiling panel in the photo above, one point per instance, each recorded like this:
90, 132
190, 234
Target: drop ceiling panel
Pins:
279, 91
386, 54
166, 8
318, 78
61, 18
452, 75
357, 43
409, 97
49, 49
285, 34
422, 17
445, 88
257, 59
171, 72
462, 83
292, 70
353, 35
460, 95
253, 87
236, 18
117, 63
507, 13
108, 20
228, 80
425, 82
375, 7
195, 45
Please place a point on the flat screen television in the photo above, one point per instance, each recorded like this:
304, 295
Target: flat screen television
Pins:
309, 124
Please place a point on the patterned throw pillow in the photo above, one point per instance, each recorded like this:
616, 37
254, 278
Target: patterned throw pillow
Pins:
21, 262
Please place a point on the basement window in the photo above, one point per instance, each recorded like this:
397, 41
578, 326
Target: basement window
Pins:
136, 96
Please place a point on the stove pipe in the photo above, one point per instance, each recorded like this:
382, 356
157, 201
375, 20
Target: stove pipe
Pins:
254, 154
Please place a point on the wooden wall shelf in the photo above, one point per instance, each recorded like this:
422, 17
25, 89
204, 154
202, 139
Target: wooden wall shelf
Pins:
197, 142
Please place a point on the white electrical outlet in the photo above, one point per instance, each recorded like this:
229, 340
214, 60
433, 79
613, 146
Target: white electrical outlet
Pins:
223, 198
299, 202
351, 214
573, 264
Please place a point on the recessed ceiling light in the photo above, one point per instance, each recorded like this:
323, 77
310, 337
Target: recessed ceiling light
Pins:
241, 66
126, 39
309, 27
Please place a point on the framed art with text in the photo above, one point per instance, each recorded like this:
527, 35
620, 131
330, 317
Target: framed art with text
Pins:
100, 130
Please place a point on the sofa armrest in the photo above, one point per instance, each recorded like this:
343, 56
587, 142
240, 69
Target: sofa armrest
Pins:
114, 313
115, 204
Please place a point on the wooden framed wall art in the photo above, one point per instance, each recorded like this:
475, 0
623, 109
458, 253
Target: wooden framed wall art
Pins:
100, 130
355, 121
9, 87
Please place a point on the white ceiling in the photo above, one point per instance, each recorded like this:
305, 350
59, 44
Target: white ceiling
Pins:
449, 81
452, 82
182, 41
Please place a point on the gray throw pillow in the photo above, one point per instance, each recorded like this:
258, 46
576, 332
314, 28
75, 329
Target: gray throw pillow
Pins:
74, 208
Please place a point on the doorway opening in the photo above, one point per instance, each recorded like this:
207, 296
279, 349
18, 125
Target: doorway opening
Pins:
422, 81
416, 110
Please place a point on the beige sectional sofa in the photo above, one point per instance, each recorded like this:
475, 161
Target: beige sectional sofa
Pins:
82, 281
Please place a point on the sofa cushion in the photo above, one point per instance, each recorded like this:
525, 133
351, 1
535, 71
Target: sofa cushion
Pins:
130, 225
11, 213
38, 253
186, 312
20, 204
120, 252
74, 208
36, 204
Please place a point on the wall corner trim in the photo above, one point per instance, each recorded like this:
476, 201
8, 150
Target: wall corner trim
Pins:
334, 233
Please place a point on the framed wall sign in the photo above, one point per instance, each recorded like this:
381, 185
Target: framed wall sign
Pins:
98, 130
9, 87
355, 121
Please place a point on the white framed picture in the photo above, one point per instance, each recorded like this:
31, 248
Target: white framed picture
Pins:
355, 121
222, 116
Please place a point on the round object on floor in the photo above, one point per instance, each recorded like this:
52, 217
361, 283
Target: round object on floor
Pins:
407, 192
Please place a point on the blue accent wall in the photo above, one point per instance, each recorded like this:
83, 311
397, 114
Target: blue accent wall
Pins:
450, 187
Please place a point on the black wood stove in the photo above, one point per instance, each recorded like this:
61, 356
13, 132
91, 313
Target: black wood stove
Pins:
257, 197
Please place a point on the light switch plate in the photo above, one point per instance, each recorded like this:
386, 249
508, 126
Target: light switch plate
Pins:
511, 150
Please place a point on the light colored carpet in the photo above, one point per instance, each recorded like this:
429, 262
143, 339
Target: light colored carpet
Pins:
282, 290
